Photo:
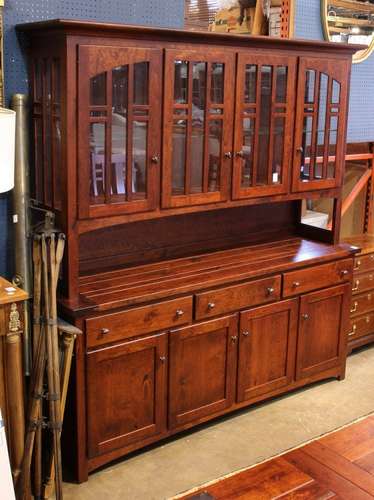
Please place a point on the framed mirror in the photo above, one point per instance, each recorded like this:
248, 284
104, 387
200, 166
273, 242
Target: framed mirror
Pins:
349, 21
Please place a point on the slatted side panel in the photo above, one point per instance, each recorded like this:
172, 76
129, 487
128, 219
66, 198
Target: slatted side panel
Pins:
199, 13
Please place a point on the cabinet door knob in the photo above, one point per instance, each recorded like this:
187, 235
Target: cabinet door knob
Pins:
155, 159
270, 290
305, 316
179, 313
245, 334
239, 154
300, 149
104, 331
295, 284
162, 359
211, 305
228, 155
356, 287
344, 272
234, 338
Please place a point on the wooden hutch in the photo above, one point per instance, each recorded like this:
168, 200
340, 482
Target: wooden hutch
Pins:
176, 163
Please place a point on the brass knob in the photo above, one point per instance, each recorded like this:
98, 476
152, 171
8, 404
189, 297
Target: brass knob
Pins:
305, 316
295, 284
179, 313
162, 359
211, 305
245, 334
344, 272
270, 290
300, 149
104, 331
228, 155
155, 159
234, 338
239, 154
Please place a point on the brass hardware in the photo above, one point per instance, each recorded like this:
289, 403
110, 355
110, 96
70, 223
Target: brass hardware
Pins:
179, 313
354, 308
162, 359
372, 256
358, 264
245, 334
155, 159
354, 328
367, 319
228, 155
270, 290
305, 316
370, 277
234, 338
104, 331
355, 288
239, 154
300, 149
14, 321
211, 305
295, 284
344, 272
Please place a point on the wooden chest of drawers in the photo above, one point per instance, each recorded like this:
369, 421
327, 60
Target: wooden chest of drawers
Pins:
362, 306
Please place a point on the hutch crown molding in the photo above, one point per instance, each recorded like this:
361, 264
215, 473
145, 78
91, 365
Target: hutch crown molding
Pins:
176, 163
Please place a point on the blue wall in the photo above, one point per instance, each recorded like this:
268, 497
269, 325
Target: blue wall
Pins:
165, 13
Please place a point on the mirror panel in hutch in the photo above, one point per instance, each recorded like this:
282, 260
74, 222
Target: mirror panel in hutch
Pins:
177, 164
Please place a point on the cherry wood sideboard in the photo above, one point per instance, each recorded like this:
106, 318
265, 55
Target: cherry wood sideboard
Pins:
177, 164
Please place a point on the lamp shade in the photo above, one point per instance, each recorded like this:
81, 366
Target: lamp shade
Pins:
7, 145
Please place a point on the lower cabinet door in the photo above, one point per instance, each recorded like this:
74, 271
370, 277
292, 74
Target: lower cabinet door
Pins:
202, 370
323, 327
126, 393
267, 347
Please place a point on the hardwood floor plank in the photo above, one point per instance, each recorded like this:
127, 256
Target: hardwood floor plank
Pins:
311, 491
366, 462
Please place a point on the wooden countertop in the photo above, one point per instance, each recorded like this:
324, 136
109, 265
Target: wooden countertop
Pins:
10, 293
140, 284
364, 241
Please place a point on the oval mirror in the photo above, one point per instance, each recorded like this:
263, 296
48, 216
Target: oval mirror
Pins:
349, 21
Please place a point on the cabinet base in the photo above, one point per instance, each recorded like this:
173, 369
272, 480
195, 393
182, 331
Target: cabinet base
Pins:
360, 342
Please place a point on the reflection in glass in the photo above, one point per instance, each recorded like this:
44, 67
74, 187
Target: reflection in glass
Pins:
180, 81
216, 89
179, 156
141, 76
97, 157
38, 82
279, 124
98, 90
197, 155
306, 146
281, 84
120, 77
248, 140
48, 138
119, 154
333, 134
310, 78
322, 109
214, 152
57, 152
335, 92
250, 83
198, 89
139, 155
265, 114
38, 152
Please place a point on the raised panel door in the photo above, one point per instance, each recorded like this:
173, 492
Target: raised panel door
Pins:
323, 327
119, 111
319, 146
197, 133
202, 370
265, 95
126, 393
267, 347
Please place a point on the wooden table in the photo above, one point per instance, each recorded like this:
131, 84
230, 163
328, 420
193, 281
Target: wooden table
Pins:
11, 370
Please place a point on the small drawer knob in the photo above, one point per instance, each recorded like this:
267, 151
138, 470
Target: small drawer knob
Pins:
155, 159
270, 290
245, 334
295, 284
179, 313
104, 331
211, 305
228, 155
162, 359
305, 316
234, 338
239, 154
344, 272
300, 149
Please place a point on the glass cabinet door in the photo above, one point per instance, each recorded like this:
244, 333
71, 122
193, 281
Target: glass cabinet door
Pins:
198, 111
119, 130
263, 122
320, 124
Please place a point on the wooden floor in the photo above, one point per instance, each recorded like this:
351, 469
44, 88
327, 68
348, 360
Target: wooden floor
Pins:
337, 466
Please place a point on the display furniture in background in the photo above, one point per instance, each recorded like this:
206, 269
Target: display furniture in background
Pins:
2, 93
184, 239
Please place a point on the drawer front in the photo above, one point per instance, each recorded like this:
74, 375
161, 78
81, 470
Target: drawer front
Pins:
364, 263
312, 278
117, 326
235, 297
362, 282
361, 326
362, 304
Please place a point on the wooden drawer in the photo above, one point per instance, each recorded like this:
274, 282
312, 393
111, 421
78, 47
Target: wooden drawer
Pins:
133, 322
361, 326
237, 297
364, 263
362, 282
312, 278
362, 304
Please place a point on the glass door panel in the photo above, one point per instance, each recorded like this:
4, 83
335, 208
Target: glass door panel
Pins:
263, 119
197, 115
319, 143
118, 153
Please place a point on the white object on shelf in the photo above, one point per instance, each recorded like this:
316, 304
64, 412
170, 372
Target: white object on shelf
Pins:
6, 487
316, 219
7, 145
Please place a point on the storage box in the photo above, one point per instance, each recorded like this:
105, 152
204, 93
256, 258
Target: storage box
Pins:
227, 21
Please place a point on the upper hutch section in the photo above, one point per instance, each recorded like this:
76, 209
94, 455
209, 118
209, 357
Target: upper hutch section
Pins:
139, 122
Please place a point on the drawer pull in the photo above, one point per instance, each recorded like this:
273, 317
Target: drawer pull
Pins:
357, 266
305, 316
355, 288
344, 272
179, 313
354, 308
211, 305
162, 359
104, 331
234, 338
295, 284
245, 334
270, 290
354, 328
